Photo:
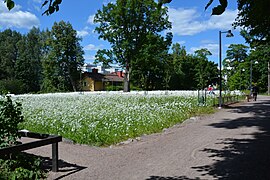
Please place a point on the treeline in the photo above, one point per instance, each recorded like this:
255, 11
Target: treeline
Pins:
50, 61
40, 61
177, 70
244, 67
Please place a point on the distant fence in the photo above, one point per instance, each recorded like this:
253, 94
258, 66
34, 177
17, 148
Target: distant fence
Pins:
226, 100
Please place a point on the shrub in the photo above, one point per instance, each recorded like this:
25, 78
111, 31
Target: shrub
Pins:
21, 166
16, 165
114, 88
13, 86
10, 117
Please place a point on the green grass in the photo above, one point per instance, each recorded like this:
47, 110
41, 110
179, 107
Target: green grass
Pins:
106, 119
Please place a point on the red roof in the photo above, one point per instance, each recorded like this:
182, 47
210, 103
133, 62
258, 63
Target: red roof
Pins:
113, 77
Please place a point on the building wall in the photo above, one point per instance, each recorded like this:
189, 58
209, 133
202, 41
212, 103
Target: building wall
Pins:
99, 86
88, 84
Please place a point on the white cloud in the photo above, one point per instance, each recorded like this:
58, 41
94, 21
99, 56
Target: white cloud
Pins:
17, 18
213, 48
91, 19
181, 42
82, 33
189, 21
91, 47
89, 57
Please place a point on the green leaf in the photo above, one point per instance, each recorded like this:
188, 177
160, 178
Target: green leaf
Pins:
166, 1
45, 2
208, 4
10, 4
51, 9
56, 8
58, 1
218, 10
223, 3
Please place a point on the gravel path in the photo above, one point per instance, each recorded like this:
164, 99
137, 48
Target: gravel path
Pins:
233, 143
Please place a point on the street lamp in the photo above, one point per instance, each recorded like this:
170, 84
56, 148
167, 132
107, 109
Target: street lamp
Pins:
229, 34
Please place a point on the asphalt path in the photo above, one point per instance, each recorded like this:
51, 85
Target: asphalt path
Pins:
233, 143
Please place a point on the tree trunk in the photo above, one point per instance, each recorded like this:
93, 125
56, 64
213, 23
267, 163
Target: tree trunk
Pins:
71, 80
126, 79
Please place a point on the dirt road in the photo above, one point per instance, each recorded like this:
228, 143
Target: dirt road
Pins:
230, 144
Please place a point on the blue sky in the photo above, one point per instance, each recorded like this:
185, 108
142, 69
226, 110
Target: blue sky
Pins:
192, 27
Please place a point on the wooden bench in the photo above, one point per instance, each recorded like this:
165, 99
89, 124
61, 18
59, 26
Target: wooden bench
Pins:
44, 139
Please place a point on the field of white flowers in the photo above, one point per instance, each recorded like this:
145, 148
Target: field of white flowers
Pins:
104, 118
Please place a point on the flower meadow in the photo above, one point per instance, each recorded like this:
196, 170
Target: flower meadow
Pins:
106, 118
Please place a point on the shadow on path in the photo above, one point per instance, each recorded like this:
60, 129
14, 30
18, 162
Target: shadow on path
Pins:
243, 158
240, 158
170, 178
65, 168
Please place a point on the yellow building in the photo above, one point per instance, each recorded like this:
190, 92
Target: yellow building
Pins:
94, 81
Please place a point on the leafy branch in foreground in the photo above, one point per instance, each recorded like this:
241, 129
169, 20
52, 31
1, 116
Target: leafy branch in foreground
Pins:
15, 165
10, 117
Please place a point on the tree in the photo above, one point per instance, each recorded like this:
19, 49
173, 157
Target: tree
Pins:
236, 67
9, 53
126, 25
64, 57
9, 56
28, 65
204, 68
254, 17
174, 66
147, 66
259, 57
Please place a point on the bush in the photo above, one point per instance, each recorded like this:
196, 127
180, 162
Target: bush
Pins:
21, 166
15, 166
10, 117
114, 88
13, 86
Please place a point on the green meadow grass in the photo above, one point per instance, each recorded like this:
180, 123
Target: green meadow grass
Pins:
105, 119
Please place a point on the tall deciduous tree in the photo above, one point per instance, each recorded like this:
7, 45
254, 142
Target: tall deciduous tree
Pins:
254, 16
259, 57
28, 66
204, 69
147, 66
236, 67
175, 65
65, 56
9, 53
126, 25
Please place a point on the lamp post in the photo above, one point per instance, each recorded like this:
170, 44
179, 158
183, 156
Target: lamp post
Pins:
229, 34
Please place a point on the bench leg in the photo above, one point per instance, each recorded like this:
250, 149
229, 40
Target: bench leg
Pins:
55, 157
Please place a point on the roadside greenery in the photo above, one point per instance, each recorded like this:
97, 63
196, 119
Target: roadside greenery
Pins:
21, 166
16, 165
